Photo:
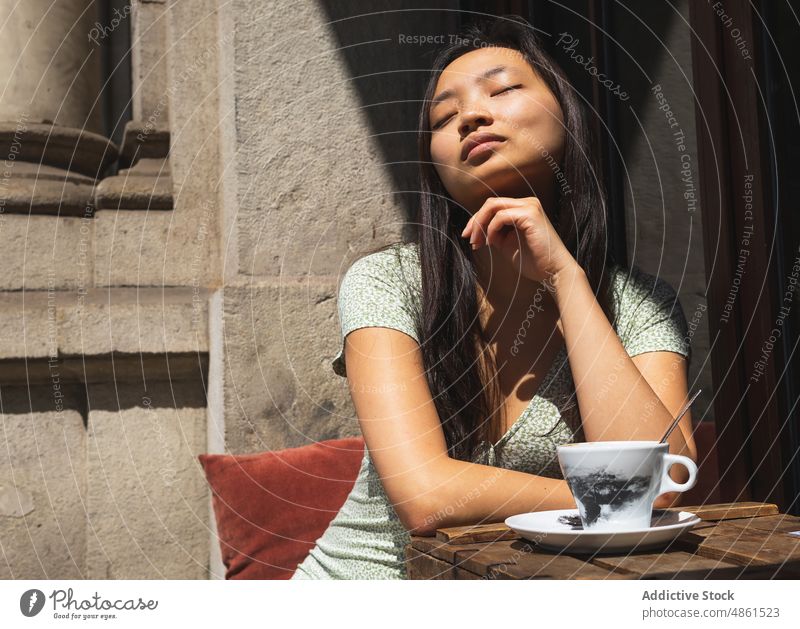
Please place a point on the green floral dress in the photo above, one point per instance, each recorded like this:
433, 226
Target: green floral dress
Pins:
366, 539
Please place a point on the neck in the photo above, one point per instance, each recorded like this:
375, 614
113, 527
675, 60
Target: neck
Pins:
502, 284
546, 193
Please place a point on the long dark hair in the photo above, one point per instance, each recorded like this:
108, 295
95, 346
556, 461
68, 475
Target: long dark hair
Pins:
460, 372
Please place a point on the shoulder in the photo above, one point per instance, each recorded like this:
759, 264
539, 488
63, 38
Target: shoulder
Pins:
633, 288
649, 316
387, 280
389, 257
396, 264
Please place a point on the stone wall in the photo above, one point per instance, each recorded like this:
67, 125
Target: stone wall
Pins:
321, 105
110, 263
184, 300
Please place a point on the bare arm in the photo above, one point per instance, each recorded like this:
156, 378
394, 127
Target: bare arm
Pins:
621, 398
404, 435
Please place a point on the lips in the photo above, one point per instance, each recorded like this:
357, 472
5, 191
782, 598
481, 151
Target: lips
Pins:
475, 139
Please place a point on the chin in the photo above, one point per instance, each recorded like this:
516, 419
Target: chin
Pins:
502, 181
495, 178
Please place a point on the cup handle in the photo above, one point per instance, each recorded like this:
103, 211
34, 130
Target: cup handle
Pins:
667, 484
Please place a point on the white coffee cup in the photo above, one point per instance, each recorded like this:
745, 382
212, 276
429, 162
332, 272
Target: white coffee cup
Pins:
615, 483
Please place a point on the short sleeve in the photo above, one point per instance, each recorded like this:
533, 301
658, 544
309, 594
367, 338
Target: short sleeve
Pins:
650, 317
377, 290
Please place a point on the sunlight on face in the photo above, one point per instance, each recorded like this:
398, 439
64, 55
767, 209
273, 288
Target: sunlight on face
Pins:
494, 90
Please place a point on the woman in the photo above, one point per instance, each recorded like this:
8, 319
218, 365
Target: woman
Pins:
474, 351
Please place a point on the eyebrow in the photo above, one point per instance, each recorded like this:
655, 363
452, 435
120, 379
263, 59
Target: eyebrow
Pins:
448, 93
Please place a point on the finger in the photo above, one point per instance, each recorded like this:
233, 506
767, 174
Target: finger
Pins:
480, 220
467, 228
501, 222
470, 226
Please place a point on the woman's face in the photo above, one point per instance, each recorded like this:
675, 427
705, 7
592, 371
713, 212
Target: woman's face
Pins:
495, 91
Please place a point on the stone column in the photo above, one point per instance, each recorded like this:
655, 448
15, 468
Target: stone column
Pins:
51, 148
100, 376
53, 77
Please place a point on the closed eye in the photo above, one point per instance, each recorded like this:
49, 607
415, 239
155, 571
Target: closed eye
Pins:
442, 122
512, 87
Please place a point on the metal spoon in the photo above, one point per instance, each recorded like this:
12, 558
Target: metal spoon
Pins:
681, 414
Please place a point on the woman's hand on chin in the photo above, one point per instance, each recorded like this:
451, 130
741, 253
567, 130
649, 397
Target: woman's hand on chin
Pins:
520, 230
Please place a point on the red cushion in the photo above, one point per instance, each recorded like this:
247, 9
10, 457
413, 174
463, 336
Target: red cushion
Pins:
271, 507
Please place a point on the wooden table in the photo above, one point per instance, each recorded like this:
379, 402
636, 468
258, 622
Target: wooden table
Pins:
740, 540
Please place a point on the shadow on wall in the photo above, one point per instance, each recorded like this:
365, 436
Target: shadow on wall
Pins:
389, 77
103, 383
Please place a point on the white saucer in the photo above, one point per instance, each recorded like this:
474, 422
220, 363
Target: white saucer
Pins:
561, 530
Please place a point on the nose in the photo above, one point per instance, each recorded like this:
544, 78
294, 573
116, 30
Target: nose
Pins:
472, 118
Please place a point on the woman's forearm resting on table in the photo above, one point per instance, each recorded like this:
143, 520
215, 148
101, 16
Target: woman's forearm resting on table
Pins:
471, 493
466, 493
